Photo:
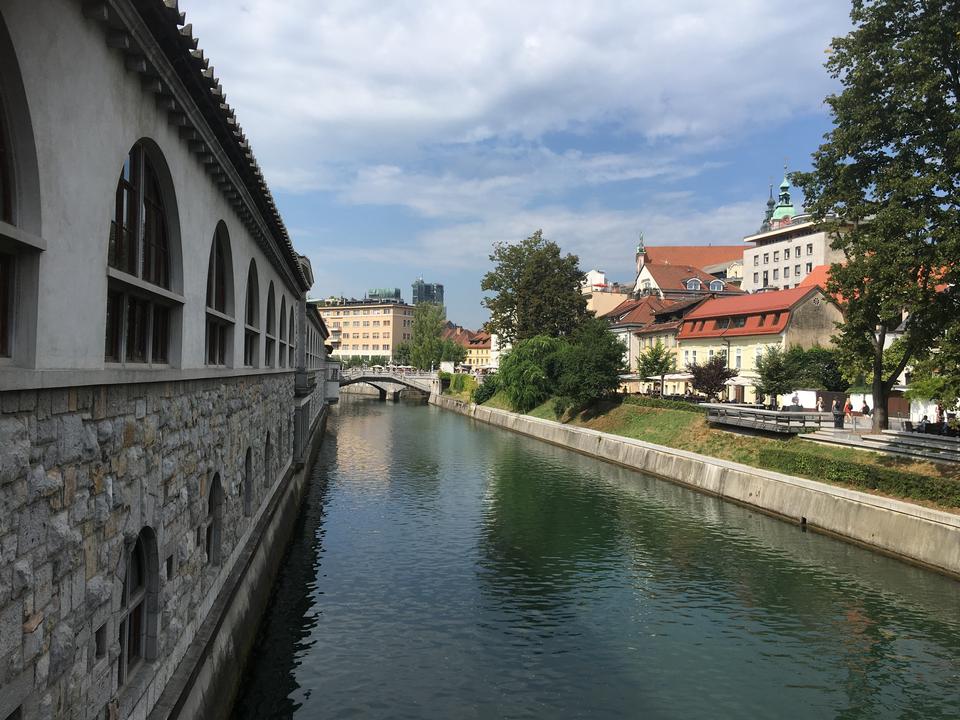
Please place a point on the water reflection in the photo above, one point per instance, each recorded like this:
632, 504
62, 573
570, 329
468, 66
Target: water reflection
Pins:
469, 572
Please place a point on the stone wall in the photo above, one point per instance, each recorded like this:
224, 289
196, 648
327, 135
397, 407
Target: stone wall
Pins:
82, 472
912, 532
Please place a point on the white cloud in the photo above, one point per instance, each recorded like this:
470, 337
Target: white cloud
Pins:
348, 80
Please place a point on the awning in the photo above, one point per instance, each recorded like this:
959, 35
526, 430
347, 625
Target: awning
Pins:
673, 377
741, 381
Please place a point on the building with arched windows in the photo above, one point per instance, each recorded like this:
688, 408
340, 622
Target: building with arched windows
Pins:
162, 383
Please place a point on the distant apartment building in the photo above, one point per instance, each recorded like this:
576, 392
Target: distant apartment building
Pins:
427, 292
367, 328
787, 248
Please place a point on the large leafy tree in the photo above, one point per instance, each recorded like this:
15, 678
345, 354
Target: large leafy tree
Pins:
936, 376
889, 171
710, 378
656, 360
775, 374
426, 344
536, 290
591, 363
816, 367
528, 373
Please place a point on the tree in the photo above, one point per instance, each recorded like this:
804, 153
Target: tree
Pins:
528, 373
888, 170
656, 360
401, 356
451, 351
710, 378
816, 367
536, 291
775, 374
591, 361
426, 345
937, 374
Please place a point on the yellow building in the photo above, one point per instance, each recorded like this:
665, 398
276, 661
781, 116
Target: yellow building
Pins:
368, 328
743, 327
478, 351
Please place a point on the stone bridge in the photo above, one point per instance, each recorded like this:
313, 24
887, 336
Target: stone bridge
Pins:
425, 382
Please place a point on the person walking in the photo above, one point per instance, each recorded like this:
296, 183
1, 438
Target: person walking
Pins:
819, 403
848, 409
837, 411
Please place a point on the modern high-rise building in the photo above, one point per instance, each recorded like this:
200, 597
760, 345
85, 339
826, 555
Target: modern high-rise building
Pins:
427, 292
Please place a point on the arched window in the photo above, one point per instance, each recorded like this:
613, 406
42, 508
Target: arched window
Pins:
6, 174
293, 341
268, 462
282, 354
219, 299
214, 521
6, 259
271, 328
693, 284
138, 605
251, 335
716, 285
248, 482
20, 243
139, 257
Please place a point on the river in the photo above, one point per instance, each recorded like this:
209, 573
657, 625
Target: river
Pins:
442, 568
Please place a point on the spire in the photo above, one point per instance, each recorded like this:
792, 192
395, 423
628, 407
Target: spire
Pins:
768, 214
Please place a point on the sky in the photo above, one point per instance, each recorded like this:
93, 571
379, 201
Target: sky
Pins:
404, 139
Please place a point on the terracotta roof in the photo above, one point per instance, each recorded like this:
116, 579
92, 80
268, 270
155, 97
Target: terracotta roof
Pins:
766, 313
458, 334
639, 312
746, 304
817, 277
658, 328
695, 255
674, 277
480, 341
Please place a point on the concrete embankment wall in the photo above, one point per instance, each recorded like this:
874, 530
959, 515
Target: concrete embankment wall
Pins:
912, 532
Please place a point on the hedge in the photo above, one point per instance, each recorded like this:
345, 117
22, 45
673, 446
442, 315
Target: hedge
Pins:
943, 491
662, 404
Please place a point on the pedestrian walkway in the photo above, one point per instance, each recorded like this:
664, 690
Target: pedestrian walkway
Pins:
891, 442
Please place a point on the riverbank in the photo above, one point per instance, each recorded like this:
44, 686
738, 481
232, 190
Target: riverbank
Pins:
919, 534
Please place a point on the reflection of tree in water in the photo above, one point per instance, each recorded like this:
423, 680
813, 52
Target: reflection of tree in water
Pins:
549, 528
545, 530
269, 683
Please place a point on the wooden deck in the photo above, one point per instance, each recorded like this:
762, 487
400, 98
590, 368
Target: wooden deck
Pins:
778, 421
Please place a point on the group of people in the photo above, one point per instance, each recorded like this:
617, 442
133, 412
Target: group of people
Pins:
843, 410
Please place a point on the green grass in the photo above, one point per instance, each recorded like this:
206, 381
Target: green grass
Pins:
923, 482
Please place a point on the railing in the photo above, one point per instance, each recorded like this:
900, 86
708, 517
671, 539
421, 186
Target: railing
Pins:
355, 372
780, 421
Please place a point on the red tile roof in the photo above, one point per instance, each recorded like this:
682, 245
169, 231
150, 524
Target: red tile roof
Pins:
818, 276
766, 313
696, 255
674, 277
637, 311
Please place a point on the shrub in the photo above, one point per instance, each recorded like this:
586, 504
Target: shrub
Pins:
662, 404
904, 484
486, 390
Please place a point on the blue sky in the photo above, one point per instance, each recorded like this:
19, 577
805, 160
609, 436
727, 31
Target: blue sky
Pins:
403, 139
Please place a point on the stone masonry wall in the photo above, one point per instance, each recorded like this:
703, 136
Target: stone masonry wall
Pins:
82, 472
